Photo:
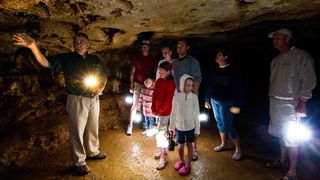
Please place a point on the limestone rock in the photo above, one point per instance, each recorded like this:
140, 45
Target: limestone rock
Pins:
116, 23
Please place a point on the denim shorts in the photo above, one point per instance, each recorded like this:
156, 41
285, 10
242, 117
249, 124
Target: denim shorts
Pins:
185, 136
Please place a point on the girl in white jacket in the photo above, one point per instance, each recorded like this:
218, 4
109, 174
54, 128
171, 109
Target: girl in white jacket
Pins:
184, 119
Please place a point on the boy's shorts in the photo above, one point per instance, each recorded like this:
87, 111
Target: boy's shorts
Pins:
185, 136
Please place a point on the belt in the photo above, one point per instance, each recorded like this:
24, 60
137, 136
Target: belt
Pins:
283, 98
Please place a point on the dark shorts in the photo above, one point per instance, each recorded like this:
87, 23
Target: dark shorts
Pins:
185, 136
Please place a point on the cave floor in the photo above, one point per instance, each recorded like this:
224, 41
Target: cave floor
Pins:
131, 157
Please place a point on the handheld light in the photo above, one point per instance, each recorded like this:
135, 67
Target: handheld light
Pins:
128, 100
137, 118
152, 131
297, 131
203, 117
90, 81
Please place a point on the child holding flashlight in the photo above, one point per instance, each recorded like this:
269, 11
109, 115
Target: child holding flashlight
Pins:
161, 106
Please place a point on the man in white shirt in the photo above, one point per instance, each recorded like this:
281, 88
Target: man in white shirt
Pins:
292, 80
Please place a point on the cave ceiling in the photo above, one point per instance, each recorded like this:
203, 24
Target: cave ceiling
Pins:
119, 23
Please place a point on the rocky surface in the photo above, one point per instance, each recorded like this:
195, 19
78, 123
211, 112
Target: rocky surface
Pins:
33, 120
118, 23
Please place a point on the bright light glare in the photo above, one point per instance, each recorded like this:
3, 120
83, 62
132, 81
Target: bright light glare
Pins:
299, 132
152, 131
137, 118
135, 150
90, 81
128, 100
203, 117
161, 139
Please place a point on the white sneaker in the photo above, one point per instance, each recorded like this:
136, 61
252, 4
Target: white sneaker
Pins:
129, 131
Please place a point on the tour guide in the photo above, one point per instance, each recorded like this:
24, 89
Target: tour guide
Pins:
85, 78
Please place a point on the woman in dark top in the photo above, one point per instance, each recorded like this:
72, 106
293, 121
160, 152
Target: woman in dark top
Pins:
224, 91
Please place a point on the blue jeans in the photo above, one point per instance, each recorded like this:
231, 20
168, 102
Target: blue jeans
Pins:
148, 122
224, 118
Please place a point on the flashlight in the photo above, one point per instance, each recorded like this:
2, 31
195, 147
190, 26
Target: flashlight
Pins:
151, 132
203, 117
137, 118
128, 100
90, 81
297, 131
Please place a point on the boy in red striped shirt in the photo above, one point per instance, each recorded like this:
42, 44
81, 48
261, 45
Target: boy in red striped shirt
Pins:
145, 102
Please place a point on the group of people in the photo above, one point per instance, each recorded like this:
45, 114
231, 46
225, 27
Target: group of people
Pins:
292, 80
170, 99
157, 99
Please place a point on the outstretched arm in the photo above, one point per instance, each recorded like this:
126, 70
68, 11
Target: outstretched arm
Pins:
24, 40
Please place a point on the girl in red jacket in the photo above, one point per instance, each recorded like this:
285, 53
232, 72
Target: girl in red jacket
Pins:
161, 106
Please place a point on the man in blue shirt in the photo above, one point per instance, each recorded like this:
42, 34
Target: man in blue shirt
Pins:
186, 64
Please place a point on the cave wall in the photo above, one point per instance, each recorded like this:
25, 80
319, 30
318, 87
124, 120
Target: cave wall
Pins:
119, 23
33, 121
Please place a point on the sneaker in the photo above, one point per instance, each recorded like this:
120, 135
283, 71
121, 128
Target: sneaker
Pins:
101, 155
184, 171
82, 170
129, 131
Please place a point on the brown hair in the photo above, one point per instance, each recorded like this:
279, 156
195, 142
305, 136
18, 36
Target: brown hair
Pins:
81, 34
185, 40
168, 67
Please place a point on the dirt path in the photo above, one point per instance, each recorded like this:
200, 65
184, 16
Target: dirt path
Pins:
131, 157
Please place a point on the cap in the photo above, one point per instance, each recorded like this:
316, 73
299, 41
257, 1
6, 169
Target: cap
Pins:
283, 31
146, 41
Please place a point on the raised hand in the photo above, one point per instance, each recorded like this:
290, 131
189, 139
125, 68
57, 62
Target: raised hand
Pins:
23, 39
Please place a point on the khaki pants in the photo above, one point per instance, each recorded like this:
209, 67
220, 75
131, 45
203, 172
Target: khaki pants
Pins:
136, 93
83, 126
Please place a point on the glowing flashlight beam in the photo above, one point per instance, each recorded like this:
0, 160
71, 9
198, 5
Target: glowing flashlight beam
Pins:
128, 100
90, 81
203, 117
137, 118
151, 132
298, 132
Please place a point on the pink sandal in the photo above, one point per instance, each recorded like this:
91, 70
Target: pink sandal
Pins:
184, 171
178, 165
